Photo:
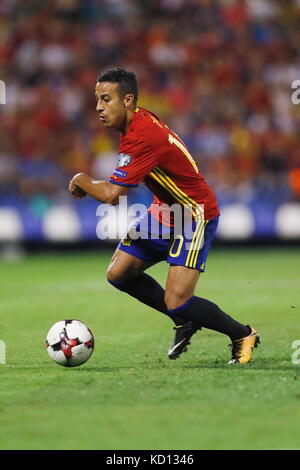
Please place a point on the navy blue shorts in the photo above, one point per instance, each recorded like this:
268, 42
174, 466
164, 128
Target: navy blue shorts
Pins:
188, 248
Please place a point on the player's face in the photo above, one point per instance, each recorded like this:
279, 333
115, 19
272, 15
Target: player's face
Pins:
111, 108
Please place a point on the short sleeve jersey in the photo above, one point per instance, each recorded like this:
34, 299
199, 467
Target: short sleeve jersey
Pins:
151, 153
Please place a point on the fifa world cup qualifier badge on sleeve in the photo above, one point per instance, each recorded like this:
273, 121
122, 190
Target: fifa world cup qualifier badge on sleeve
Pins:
123, 159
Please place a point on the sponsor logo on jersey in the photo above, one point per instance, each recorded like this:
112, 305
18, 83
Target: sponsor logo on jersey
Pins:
123, 159
120, 173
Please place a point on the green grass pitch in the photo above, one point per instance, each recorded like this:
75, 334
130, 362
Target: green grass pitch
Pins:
129, 395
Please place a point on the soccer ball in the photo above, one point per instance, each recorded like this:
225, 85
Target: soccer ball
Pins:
70, 343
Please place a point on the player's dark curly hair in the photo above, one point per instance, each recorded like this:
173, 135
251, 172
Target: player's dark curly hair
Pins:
126, 80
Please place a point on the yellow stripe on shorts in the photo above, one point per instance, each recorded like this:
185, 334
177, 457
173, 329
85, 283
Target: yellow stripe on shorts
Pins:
198, 246
194, 242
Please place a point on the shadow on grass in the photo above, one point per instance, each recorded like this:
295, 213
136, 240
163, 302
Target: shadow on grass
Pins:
201, 364
20, 366
280, 364
258, 364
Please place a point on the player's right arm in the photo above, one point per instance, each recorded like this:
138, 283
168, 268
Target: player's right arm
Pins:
103, 191
135, 160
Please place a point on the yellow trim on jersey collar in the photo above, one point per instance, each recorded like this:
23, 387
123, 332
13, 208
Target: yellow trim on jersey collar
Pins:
137, 110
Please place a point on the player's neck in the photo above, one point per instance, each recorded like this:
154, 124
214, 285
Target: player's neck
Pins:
127, 121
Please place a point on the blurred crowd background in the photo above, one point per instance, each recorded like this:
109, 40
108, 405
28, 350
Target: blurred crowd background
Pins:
219, 72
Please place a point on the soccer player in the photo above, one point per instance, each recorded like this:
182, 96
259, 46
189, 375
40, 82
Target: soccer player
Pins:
150, 152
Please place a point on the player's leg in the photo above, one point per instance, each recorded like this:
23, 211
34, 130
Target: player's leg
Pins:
180, 300
187, 261
179, 297
175, 296
124, 266
126, 273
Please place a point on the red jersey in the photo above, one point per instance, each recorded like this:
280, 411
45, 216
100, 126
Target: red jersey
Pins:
152, 153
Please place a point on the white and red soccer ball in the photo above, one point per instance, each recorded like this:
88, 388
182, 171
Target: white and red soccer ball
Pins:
70, 343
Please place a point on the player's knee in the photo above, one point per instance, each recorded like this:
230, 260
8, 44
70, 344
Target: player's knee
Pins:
116, 275
175, 298
112, 275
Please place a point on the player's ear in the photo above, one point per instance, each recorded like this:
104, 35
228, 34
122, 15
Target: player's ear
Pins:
128, 100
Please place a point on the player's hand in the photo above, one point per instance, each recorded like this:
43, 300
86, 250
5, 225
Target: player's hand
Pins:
74, 187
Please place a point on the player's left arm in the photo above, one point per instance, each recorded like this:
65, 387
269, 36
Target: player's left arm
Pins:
103, 191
